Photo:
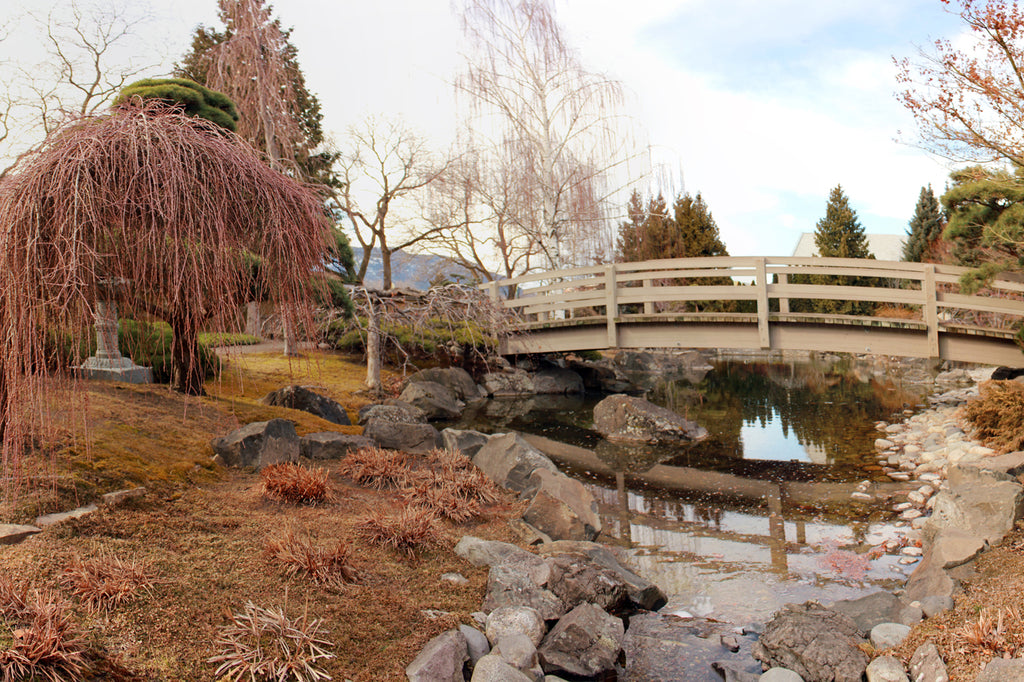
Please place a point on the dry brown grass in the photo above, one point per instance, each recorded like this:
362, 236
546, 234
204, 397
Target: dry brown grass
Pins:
294, 483
264, 643
106, 581
376, 468
897, 311
998, 415
38, 638
999, 630
329, 565
409, 531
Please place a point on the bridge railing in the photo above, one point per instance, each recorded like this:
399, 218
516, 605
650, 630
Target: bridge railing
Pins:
763, 289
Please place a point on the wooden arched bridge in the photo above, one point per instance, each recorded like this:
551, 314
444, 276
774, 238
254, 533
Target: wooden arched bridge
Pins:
678, 303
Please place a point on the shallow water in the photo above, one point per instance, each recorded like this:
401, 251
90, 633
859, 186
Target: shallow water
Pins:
775, 429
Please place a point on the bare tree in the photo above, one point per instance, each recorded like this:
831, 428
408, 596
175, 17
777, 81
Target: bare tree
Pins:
554, 126
385, 164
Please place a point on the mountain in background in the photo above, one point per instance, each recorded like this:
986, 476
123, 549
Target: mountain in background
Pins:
412, 270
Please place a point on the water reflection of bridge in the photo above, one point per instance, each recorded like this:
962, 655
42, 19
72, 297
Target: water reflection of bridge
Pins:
666, 304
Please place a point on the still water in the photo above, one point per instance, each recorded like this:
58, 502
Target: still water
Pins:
791, 440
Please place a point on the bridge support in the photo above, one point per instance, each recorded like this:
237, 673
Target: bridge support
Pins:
761, 280
931, 309
611, 304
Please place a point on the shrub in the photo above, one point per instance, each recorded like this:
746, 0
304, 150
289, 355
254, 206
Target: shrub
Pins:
214, 339
410, 530
421, 341
261, 643
287, 482
38, 640
454, 469
998, 415
442, 499
105, 581
376, 468
301, 556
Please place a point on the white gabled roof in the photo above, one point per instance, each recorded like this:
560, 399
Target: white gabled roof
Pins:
881, 246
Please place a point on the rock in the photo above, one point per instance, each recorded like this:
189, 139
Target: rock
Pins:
441, 660
888, 635
395, 411
869, 611
601, 377
562, 507
467, 442
517, 650
455, 578
476, 643
1011, 463
486, 552
883, 443
302, 398
515, 620
664, 648
641, 592
585, 642
729, 642
781, 675
983, 507
518, 583
815, 642
12, 533
408, 437
576, 580
926, 664
515, 382
953, 547
930, 580
455, 379
258, 444
492, 668
557, 380
120, 496
631, 419
733, 672
527, 533
934, 604
1002, 670
887, 669
332, 445
1007, 373
436, 400
51, 519
510, 461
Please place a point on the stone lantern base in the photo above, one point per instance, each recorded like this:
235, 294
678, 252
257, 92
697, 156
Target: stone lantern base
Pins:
115, 369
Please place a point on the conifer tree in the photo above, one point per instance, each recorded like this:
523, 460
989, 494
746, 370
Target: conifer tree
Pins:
650, 232
924, 228
839, 234
698, 233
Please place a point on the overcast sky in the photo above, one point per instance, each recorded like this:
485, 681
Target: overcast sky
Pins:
762, 106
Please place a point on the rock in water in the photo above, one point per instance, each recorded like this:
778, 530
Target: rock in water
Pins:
815, 642
629, 419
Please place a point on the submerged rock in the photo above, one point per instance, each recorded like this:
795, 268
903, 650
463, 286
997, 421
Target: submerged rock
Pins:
815, 642
634, 420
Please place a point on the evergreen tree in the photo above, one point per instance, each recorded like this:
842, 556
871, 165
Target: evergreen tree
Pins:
649, 234
191, 97
924, 228
697, 231
839, 234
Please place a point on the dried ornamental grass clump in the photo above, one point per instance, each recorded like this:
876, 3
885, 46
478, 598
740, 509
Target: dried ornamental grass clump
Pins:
409, 531
1001, 632
376, 468
329, 566
287, 482
998, 415
106, 581
38, 640
265, 644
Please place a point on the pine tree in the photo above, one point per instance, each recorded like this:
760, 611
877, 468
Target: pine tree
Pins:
698, 233
924, 228
839, 234
649, 234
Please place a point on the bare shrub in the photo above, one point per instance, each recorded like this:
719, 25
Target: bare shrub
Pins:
287, 482
106, 581
443, 499
38, 640
457, 470
998, 415
376, 468
412, 529
331, 567
264, 643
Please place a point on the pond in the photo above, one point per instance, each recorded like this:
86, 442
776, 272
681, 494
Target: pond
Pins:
790, 441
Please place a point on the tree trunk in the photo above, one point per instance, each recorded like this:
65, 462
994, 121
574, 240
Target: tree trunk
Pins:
385, 259
291, 345
186, 368
253, 324
373, 381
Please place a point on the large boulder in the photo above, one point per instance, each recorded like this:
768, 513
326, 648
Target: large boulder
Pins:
258, 444
302, 398
465, 441
978, 502
561, 507
441, 660
873, 609
455, 379
557, 380
576, 580
418, 438
331, 445
436, 400
930, 582
819, 644
506, 621
392, 411
630, 419
641, 592
599, 376
585, 642
666, 648
514, 382
510, 461
519, 581
481, 552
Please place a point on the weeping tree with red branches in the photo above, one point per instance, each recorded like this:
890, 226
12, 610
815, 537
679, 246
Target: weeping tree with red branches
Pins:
158, 210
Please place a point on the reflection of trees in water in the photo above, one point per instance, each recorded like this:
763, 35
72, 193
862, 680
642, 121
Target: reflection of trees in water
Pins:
824, 409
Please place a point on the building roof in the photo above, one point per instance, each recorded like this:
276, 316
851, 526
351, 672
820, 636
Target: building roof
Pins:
881, 246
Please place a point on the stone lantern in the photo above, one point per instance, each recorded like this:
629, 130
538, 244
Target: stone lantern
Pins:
108, 363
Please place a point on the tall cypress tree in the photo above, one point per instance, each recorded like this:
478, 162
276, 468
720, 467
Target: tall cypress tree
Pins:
924, 228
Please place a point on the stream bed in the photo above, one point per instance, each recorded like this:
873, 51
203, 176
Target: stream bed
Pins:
798, 437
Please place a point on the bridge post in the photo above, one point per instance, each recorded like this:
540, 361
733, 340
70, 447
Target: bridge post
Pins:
931, 309
761, 275
611, 304
783, 302
649, 305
